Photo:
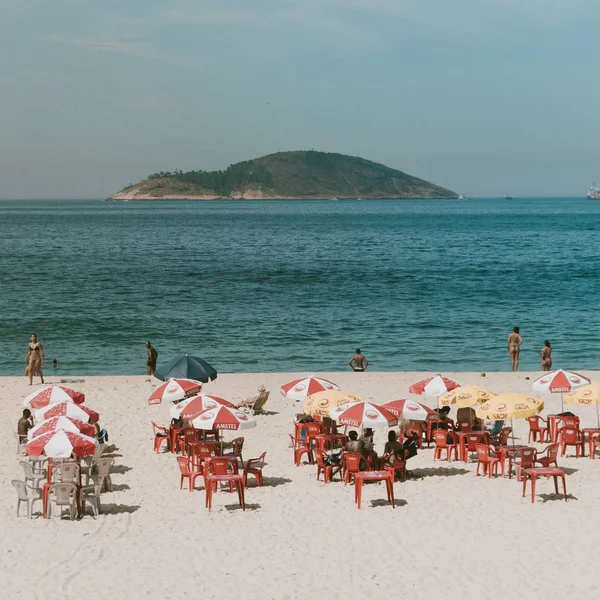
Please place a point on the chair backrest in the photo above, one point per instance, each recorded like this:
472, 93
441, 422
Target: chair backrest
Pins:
570, 422
26, 469
472, 441
184, 464
569, 435
207, 449
67, 472
352, 461
261, 400
63, 492
189, 434
526, 457
237, 446
323, 443
464, 426
21, 488
483, 452
256, 463
503, 437
158, 429
222, 465
552, 452
103, 466
320, 455
534, 423
313, 429
440, 437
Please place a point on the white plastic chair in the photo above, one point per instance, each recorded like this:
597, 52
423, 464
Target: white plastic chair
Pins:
101, 473
63, 494
30, 476
88, 463
91, 494
23, 496
38, 464
67, 472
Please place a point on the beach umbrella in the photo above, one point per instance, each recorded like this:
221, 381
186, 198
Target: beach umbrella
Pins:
433, 386
186, 367
174, 389
61, 444
299, 389
322, 402
465, 396
64, 423
68, 409
189, 408
363, 414
588, 394
409, 409
559, 382
509, 406
53, 394
223, 418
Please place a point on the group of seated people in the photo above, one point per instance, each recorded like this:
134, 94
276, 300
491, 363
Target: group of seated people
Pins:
463, 415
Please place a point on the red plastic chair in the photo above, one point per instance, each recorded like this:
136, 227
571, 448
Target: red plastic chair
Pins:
187, 434
395, 465
328, 470
464, 426
470, 442
537, 433
161, 434
223, 469
524, 459
301, 447
254, 466
570, 422
353, 463
549, 460
187, 472
502, 437
416, 430
570, 436
200, 452
440, 437
323, 444
237, 446
490, 463
594, 444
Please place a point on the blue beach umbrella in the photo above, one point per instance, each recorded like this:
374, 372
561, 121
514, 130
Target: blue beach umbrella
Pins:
186, 366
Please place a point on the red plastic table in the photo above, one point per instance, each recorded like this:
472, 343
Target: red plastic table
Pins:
547, 472
590, 431
362, 476
337, 440
553, 426
507, 451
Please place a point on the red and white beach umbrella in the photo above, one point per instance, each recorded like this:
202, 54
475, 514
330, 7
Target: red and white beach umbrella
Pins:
61, 444
52, 395
433, 386
68, 409
64, 423
223, 417
192, 406
559, 382
174, 389
409, 409
299, 389
363, 414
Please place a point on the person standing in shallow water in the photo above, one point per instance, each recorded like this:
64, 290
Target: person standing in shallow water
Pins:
34, 359
152, 356
546, 355
514, 348
359, 361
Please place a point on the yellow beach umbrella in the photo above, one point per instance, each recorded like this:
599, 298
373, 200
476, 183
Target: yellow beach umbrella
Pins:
509, 406
587, 394
465, 396
322, 402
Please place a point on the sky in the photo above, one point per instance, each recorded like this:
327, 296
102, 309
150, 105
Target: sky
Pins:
484, 97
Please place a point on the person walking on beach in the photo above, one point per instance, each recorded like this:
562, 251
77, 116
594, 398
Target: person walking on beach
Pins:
152, 356
546, 355
34, 359
514, 348
358, 362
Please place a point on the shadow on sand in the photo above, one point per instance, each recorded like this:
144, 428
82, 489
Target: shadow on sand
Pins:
231, 507
437, 472
382, 502
117, 509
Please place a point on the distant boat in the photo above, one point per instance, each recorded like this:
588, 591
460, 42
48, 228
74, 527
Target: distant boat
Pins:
334, 198
507, 197
594, 192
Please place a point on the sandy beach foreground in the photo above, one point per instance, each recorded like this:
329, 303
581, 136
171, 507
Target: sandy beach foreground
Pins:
452, 535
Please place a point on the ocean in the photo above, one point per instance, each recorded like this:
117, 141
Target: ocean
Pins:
425, 285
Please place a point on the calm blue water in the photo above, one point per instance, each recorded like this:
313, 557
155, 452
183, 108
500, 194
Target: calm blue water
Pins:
273, 286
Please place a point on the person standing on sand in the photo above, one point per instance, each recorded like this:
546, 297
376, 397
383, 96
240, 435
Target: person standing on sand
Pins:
546, 355
152, 356
358, 362
34, 359
514, 348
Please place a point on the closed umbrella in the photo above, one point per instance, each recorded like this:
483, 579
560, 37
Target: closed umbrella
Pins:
187, 367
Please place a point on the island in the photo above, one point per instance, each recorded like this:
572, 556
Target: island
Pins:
296, 175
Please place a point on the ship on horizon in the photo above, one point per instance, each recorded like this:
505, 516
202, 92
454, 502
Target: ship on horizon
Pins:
594, 192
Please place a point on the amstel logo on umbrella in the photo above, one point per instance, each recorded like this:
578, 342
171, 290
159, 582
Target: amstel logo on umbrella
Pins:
371, 414
350, 422
300, 388
412, 407
241, 416
207, 416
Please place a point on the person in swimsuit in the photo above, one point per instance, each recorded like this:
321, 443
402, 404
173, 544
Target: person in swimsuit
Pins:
546, 355
358, 362
34, 359
152, 356
514, 348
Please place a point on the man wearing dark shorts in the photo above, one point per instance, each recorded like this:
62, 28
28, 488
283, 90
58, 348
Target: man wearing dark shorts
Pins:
152, 356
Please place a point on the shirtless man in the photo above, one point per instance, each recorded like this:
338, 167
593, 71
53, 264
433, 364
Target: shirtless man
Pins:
152, 356
358, 362
514, 348
24, 425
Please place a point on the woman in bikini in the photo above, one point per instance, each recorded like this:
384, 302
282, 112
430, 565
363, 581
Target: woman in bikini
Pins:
514, 348
34, 359
546, 355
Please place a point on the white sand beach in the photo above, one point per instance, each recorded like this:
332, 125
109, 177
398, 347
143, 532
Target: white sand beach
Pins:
452, 535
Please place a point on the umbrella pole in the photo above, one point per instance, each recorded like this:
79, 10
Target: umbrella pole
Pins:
512, 426
562, 406
598, 414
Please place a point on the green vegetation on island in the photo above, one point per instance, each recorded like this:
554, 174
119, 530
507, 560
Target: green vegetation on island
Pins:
304, 174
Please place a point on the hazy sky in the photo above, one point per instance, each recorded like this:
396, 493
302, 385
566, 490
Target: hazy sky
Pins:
481, 96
